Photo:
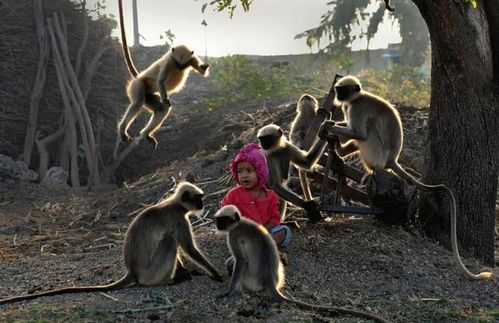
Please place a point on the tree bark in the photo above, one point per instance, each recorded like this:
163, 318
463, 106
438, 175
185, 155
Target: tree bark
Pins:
462, 150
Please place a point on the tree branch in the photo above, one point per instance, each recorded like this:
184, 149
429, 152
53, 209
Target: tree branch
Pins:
41, 74
83, 44
42, 150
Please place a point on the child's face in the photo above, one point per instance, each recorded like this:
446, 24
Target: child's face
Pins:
246, 175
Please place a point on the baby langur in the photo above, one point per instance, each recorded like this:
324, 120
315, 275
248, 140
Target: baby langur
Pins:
306, 111
257, 265
280, 152
151, 246
167, 75
374, 130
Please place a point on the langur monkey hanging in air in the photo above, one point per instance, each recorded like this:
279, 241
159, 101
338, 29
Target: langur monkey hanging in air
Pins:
306, 111
151, 244
280, 152
257, 265
167, 75
373, 129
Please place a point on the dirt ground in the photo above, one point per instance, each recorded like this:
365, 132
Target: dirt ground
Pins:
51, 238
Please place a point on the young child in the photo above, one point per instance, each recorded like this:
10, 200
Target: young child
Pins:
255, 201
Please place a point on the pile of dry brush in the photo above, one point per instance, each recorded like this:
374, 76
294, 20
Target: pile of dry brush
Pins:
62, 88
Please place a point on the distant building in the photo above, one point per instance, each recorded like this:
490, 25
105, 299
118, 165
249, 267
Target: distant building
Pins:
392, 54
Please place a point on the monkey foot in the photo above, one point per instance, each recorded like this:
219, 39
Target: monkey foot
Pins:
181, 277
284, 258
194, 272
216, 277
125, 137
230, 266
153, 141
313, 213
315, 219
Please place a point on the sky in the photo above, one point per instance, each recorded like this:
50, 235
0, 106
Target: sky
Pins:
268, 28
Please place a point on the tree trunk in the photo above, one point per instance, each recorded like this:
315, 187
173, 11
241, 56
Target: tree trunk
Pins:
41, 74
43, 151
78, 101
83, 44
462, 150
71, 136
136, 35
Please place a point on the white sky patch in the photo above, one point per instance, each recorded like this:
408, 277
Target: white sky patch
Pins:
268, 28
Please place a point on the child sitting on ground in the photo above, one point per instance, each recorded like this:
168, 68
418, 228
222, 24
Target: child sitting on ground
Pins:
255, 201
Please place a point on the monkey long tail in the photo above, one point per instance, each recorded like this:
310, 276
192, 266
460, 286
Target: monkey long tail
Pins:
126, 50
455, 251
330, 309
123, 282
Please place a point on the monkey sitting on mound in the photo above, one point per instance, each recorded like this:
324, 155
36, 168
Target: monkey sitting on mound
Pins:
257, 266
151, 246
306, 111
373, 129
165, 76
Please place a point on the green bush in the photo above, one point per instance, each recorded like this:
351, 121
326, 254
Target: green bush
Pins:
399, 84
240, 81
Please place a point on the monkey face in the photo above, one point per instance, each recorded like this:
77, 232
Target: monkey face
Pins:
223, 222
345, 92
307, 98
268, 141
181, 66
197, 201
226, 218
182, 56
192, 201
270, 136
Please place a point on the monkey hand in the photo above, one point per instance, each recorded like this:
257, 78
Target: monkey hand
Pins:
324, 129
324, 112
231, 292
313, 213
125, 137
204, 68
194, 272
167, 103
216, 277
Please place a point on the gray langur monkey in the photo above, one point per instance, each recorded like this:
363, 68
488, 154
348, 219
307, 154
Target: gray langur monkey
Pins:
257, 265
151, 246
374, 130
280, 153
306, 111
167, 75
